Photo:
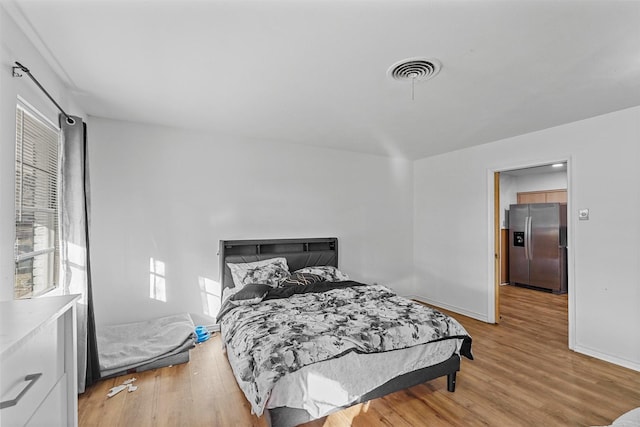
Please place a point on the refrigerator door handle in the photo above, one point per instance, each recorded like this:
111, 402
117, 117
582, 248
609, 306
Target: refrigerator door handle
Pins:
526, 237
529, 244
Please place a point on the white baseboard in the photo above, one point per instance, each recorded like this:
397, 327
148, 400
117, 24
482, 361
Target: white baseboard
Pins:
478, 316
213, 328
579, 349
608, 358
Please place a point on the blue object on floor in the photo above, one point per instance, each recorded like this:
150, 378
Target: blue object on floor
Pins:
202, 334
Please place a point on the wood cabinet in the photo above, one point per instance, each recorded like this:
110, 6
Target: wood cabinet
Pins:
38, 368
547, 196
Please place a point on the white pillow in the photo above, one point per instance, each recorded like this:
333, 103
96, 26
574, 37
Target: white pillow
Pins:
270, 271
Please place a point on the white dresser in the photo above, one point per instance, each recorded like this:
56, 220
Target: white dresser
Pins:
38, 359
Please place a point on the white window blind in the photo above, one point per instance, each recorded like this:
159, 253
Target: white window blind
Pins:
36, 201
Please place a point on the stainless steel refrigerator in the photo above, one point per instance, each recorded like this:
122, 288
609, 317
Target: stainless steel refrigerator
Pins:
537, 246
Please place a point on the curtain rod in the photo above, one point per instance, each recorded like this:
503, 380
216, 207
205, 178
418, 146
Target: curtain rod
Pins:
24, 69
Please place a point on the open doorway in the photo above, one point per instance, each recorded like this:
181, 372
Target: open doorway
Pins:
522, 259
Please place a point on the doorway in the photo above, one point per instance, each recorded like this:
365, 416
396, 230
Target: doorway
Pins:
540, 183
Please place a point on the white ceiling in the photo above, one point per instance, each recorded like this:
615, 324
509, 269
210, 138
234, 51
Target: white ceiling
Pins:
314, 72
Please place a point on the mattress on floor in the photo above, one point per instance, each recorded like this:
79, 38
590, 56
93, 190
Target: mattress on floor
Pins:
174, 359
133, 347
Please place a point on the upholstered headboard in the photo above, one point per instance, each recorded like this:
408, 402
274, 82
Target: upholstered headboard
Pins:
298, 252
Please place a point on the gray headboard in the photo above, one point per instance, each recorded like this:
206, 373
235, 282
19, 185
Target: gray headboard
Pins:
298, 252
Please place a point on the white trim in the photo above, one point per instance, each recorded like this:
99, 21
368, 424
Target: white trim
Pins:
607, 357
14, 10
571, 287
478, 316
215, 327
571, 284
491, 273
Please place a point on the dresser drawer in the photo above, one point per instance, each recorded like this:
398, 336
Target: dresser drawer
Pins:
42, 353
53, 411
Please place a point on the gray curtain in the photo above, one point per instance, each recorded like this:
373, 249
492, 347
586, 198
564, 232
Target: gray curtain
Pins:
74, 242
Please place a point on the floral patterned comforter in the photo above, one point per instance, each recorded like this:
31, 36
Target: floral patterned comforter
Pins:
279, 336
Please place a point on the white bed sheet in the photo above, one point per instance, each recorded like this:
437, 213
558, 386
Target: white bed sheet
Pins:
323, 388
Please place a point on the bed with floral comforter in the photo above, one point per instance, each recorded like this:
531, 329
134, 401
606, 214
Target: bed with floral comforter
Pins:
286, 330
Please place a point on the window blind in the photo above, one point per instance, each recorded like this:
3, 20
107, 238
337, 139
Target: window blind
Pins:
36, 201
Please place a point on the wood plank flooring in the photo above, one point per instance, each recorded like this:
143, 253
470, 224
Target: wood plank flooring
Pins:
523, 375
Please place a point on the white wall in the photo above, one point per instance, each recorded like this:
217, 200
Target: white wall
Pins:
172, 195
453, 236
511, 185
14, 46
541, 182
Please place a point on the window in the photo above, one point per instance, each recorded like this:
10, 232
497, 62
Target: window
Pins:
36, 246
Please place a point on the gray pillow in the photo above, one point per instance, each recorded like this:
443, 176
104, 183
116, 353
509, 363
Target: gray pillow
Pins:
250, 294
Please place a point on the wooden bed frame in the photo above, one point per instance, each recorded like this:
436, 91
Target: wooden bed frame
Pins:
311, 252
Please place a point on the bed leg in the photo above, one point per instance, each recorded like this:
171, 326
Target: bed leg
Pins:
451, 382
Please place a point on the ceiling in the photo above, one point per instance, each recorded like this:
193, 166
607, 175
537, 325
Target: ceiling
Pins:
315, 72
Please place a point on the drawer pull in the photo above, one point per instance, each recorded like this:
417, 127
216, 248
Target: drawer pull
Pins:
31, 380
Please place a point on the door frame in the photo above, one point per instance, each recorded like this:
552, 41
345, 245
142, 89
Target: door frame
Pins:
493, 177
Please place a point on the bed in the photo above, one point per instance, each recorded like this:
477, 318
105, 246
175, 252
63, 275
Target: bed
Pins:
302, 352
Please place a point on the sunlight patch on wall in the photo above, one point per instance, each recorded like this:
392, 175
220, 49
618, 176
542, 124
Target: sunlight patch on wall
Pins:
210, 294
157, 280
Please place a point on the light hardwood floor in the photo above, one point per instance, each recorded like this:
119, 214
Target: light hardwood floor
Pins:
523, 375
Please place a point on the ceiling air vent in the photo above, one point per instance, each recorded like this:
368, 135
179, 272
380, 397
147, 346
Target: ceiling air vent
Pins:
414, 69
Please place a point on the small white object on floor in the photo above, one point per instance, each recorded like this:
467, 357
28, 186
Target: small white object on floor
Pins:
116, 390
126, 384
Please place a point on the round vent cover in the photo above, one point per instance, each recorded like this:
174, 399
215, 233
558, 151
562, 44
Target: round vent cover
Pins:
413, 69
